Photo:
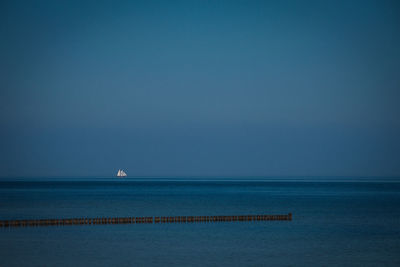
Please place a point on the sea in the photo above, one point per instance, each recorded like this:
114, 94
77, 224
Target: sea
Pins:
337, 221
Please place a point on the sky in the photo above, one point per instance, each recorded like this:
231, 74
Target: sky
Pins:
200, 88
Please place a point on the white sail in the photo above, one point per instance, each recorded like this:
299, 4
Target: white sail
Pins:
121, 173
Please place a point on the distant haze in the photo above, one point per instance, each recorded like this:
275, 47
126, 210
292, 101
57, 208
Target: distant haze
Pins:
200, 88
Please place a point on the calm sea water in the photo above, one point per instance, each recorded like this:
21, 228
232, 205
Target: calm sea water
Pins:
335, 223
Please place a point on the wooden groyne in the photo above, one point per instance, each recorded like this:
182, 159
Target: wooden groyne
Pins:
146, 220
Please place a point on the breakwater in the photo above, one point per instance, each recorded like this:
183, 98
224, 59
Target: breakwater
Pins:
144, 220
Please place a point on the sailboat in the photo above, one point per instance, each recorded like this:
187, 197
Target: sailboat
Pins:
121, 173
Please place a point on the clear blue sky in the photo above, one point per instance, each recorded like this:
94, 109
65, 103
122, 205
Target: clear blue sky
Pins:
200, 88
